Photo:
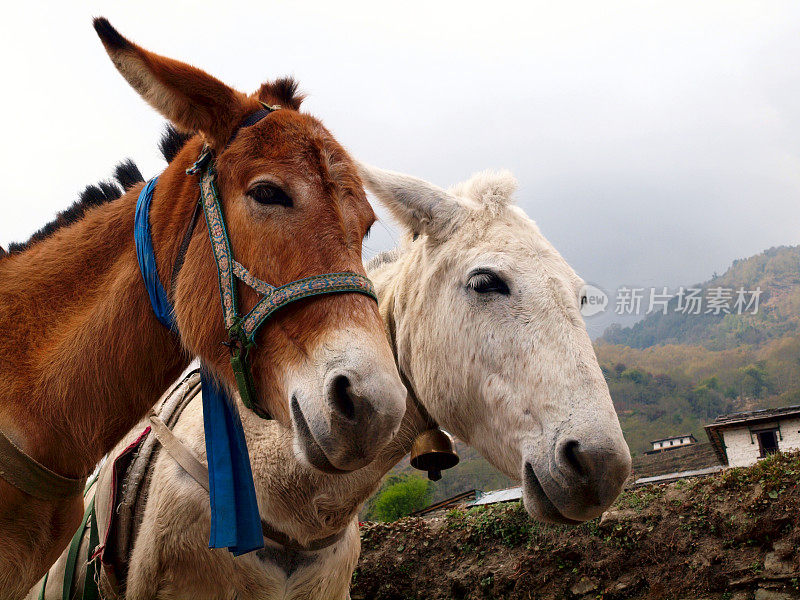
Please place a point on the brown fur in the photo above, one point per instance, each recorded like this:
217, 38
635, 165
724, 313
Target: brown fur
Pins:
82, 356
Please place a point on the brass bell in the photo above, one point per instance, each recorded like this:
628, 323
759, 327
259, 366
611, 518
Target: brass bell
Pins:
433, 451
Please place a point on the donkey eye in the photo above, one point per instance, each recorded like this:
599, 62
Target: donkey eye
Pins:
487, 282
267, 193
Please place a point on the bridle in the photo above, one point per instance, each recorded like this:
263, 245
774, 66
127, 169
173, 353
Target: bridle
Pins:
242, 328
235, 520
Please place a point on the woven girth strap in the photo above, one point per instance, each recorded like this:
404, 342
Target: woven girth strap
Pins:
32, 477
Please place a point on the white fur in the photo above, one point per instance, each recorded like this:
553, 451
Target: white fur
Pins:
513, 375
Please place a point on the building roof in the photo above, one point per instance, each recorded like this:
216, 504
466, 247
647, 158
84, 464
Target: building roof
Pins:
764, 414
461, 498
497, 496
679, 475
674, 437
741, 419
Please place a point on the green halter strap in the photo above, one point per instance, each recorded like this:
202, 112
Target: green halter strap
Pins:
242, 329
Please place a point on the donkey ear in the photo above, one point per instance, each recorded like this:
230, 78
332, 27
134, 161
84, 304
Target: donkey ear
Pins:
283, 91
192, 99
420, 206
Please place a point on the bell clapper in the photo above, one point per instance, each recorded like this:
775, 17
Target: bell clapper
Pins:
434, 474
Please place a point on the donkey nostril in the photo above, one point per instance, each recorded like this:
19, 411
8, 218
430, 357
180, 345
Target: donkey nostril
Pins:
572, 455
340, 397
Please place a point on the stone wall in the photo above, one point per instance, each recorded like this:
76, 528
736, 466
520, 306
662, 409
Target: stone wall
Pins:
743, 451
685, 458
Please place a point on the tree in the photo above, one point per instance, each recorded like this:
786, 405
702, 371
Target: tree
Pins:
401, 498
754, 380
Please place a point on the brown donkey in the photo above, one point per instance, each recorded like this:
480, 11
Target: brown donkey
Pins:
82, 356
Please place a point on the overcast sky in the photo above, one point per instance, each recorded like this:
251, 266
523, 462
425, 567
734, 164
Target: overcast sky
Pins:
654, 142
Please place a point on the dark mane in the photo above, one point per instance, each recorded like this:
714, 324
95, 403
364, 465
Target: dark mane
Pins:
172, 141
126, 176
93, 195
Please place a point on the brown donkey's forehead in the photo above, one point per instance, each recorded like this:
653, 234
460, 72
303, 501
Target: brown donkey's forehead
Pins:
298, 145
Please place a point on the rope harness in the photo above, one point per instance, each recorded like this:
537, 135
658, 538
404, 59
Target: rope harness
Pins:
190, 463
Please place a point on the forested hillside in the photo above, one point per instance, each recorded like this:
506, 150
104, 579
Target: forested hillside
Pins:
673, 373
776, 272
675, 389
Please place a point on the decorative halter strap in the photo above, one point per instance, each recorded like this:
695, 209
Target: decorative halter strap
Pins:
242, 329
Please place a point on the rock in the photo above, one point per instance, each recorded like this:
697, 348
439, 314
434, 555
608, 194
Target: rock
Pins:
776, 565
740, 595
584, 586
674, 495
783, 548
625, 582
762, 594
612, 517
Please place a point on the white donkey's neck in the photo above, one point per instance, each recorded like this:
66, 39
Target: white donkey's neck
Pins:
307, 504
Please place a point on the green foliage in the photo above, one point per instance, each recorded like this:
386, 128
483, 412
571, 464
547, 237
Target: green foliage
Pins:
508, 524
754, 380
400, 497
774, 474
639, 499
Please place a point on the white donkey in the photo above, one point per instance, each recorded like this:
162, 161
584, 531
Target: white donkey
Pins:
483, 315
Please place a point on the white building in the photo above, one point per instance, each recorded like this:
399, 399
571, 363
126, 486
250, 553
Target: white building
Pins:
675, 441
741, 439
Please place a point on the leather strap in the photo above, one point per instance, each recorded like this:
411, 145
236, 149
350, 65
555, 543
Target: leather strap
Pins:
180, 453
199, 472
187, 238
32, 477
284, 540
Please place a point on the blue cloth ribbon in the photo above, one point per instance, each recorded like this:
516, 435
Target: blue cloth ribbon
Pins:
235, 520
147, 257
